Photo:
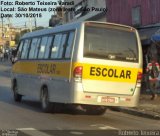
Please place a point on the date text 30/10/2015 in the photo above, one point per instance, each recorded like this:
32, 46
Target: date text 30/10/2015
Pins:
21, 15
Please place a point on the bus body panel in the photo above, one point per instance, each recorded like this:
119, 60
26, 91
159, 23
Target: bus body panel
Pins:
123, 75
32, 75
89, 98
98, 78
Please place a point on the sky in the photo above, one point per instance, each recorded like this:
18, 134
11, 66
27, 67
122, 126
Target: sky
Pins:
20, 22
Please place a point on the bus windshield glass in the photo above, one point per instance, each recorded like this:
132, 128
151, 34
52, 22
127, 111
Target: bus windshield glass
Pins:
110, 43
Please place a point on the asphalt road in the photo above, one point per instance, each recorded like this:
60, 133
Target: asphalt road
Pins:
26, 118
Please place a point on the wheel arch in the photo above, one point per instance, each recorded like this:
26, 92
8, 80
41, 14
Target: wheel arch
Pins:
42, 88
14, 82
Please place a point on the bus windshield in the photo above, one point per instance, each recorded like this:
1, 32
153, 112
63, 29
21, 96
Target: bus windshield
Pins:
110, 43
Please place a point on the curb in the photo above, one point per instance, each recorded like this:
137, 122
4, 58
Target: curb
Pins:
140, 113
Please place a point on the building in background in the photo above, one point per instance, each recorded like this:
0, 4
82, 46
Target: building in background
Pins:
7, 36
143, 15
58, 17
81, 13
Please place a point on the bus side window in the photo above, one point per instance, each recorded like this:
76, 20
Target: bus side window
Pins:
19, 51
42, 47
37, 48
56, 46
33, 48
69, 45
62, 46
48, 47
25, 49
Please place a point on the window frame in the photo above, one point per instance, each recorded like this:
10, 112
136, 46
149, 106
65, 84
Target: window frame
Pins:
50, 35
30, 40
31, 47
74, 36
49, 53
39, 47
36, 58
137, 49
57, 46
19, 57
63, 55
64, 45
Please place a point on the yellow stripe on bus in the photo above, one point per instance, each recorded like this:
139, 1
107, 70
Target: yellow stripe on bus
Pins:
109, 73
90, 71
57, 69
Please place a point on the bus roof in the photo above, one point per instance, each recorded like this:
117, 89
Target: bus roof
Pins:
65, 27
59, 28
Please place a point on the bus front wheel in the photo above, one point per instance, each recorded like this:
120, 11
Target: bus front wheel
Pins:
46, 105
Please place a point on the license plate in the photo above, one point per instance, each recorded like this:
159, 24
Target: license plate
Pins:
107, 99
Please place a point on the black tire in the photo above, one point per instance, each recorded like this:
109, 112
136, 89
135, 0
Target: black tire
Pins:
17, 97
96, 110
47, 106
89, 110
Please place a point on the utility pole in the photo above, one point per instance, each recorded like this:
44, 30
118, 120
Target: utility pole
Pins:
2, 27
9, 26
2, 21
30, 24
30, 21
62, 16
25, 25
35, 23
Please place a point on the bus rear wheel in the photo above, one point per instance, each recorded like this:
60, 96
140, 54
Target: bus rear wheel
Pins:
97, 110
90, 110
17, 97
46, 105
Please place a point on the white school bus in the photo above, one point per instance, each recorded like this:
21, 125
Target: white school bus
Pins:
89, 64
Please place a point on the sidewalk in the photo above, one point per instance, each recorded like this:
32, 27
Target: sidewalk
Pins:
147, 108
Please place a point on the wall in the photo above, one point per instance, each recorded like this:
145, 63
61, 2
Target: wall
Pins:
120, 11
89, 15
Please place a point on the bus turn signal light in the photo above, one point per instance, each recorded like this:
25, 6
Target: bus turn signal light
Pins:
139, 77
78, 73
